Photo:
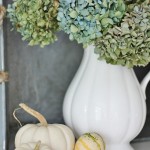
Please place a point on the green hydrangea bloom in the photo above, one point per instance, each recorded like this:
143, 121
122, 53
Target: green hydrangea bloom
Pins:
85, 20
36, 20
129, 43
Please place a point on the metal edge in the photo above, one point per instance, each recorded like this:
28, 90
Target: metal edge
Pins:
144, 139
2, 94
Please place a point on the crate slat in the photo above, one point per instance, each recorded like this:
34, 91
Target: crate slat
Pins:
2, 95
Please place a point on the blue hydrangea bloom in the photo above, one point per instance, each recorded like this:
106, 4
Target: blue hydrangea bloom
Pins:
85, 20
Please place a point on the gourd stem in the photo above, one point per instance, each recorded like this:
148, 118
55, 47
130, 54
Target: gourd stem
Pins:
34, 113
37, 147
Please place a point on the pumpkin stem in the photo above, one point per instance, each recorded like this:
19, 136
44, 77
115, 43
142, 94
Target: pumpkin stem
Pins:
14, 114
37, 147
34, 113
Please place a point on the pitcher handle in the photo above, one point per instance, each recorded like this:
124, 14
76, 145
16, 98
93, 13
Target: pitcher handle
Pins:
145, 82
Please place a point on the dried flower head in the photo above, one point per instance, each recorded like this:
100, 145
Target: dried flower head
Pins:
2, 14
85, 20
129, 43
36, 20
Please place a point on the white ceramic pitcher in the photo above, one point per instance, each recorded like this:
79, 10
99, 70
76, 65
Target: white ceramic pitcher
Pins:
106, 99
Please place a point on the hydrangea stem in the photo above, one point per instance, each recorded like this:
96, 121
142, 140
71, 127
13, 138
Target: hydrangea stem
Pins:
56, 4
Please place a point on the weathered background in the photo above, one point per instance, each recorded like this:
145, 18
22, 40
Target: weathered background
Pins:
40, 77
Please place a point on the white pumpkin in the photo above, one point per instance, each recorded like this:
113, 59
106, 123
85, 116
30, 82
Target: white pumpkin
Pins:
56, 136
33, 146
90, 141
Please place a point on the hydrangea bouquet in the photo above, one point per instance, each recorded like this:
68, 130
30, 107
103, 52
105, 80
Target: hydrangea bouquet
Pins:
119, 29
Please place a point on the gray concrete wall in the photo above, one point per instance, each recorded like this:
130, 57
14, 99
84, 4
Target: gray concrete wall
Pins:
39, 77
